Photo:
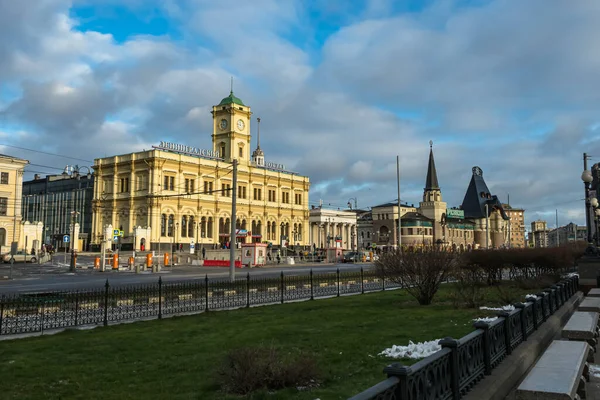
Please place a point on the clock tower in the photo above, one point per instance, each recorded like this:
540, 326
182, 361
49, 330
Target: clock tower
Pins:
231, 129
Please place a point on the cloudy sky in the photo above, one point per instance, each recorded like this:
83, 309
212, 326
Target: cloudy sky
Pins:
341, 87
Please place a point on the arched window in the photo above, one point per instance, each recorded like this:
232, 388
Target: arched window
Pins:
299, 232
191, 226
222, 150
163, 225
209, 228
258, 229
221, 225
244, 224
170, 226
184, 225
2, 237
203, 227
241, 152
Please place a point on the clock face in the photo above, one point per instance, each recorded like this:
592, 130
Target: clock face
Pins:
223, 124
240, 124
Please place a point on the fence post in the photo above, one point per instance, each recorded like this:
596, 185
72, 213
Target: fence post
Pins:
248, 290
452, 344
106, 286
312, 293
206, 292
542, 296
534, 312
76, 308
402, 372
507, 330
160, 297
383, 280
43, 314
362, 281
338, 282
523, 319
282, 287
487, 350
1, 313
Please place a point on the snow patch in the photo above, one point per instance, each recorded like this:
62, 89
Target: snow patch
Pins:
594, 370
485, 319
413, 350
570, 275
508, 307
533, 296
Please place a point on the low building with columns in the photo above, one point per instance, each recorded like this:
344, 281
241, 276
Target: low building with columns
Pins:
332, 228
175, 194
11, 188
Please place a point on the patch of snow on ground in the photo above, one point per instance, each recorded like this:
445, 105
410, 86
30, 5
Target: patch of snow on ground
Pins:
485, 319
531, 295
595, 370
413, 350
570, 275
508, 307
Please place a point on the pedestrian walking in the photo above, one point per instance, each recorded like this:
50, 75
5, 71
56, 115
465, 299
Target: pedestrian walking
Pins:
203, 253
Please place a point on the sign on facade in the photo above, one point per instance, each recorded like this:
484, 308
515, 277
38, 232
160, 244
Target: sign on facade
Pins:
66, 239
189, 150
452, 213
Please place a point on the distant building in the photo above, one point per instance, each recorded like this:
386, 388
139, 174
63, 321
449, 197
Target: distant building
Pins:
11, 185
539, 234
516, 226
63, 204
565, 234
332, 228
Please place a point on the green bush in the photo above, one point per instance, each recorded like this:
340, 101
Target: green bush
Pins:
246, 370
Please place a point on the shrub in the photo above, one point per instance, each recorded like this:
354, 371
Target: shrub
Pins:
420, 272
248, 369
467, 288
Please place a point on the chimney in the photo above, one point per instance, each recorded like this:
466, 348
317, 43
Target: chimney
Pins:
36, 177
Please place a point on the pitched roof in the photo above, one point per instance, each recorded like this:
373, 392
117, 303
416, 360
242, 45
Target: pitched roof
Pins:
392, 204
432, 181
415, 216
478, 195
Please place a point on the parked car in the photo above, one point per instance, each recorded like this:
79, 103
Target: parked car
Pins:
353, 256
20, 256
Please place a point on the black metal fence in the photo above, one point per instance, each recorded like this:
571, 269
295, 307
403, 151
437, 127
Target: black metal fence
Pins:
451, 372
108, 305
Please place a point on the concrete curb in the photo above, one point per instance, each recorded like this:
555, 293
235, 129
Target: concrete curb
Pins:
512, 370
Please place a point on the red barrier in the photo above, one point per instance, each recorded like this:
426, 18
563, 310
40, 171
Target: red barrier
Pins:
221, 263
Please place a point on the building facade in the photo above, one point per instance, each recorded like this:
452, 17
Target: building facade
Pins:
62, 203
539, 234
332, 228
565, 234
173, 195
431, 223
516, 226
11, 187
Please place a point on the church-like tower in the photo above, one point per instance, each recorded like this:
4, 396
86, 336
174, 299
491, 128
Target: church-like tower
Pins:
432, 205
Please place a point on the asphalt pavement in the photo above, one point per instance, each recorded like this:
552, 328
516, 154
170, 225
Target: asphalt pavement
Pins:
56, 275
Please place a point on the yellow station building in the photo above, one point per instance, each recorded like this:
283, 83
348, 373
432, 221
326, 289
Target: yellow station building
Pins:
175, 195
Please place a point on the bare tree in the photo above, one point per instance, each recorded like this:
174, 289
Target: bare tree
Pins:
419, 272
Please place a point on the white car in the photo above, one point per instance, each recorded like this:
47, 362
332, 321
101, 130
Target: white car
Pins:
20, 256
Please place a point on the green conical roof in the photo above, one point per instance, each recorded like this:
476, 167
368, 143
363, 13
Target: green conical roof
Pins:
232, 99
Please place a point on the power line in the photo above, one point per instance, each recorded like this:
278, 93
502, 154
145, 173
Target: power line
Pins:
44, 152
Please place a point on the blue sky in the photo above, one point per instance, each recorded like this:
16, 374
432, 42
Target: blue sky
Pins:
341, 87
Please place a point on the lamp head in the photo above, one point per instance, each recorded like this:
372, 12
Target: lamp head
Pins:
594, 202
586, 176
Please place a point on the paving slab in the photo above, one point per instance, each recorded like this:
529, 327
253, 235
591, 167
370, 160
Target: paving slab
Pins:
595, 292
590, 304
582, 325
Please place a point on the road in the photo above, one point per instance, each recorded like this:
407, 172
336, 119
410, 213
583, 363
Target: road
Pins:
33, 278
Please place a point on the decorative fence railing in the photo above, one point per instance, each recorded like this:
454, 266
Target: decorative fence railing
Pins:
451, 372
102, 306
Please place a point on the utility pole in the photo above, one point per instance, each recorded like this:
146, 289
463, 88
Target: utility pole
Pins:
233, 220
557, 235
399, 205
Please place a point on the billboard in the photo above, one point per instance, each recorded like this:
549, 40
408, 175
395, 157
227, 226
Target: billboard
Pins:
452, 213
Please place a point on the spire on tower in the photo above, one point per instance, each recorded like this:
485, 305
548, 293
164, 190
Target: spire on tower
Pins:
431, 183
231, 91
258, 133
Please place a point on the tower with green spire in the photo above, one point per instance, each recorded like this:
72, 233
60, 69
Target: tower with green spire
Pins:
231, 129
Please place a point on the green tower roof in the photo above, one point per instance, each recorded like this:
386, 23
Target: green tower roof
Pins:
232, 99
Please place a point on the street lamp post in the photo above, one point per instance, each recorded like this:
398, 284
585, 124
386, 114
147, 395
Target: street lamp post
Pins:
487, 227
586, 177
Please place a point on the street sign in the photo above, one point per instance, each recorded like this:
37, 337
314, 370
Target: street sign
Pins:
121, 233
116, 232
66, 239
192, 247
116, 238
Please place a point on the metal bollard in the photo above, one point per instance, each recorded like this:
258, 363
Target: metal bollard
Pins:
166, 260
97, 263
130, 263
115, 264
